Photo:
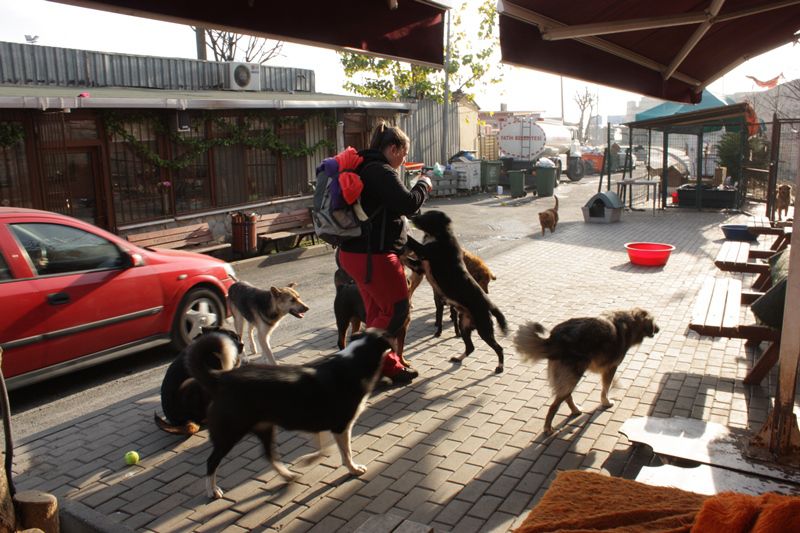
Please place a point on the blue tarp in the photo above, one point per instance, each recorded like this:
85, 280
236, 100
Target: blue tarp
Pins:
673, 108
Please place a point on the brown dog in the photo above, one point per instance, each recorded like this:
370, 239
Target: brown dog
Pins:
783, 199
549, 218
598, 344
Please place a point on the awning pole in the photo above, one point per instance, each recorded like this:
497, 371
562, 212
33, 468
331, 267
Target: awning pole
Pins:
446, 104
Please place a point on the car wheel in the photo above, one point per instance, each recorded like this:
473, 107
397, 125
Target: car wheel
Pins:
199, 308
577, 171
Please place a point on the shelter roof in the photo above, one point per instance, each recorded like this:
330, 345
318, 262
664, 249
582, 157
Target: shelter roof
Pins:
43, 98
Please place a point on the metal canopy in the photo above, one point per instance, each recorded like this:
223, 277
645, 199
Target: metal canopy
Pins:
408, 30
668, 50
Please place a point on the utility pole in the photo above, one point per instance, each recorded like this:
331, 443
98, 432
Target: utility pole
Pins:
446, 105
200, 39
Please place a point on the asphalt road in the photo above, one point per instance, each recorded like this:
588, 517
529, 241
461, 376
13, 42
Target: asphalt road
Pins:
480, 228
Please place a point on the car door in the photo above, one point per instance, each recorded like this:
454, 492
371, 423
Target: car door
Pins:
21, 327
89, 298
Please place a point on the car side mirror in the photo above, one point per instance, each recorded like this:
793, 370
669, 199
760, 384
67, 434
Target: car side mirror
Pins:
133, 259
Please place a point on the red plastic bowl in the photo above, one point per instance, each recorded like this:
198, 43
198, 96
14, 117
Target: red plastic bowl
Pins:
648, 253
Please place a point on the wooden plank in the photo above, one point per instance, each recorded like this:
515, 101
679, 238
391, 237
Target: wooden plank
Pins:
195, 237
700, 309
733, 300
180, 230
716, 306
763, 365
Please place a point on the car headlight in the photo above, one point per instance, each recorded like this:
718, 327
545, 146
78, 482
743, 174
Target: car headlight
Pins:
229, 270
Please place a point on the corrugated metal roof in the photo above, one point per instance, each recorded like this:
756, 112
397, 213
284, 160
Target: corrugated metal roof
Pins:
24, 64
21, 97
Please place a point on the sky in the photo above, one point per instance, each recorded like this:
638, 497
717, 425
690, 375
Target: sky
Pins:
522, 89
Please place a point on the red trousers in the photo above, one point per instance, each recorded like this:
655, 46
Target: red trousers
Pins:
381, 295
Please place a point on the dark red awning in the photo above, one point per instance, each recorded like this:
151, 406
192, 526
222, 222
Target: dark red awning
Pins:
414, 31
668, 49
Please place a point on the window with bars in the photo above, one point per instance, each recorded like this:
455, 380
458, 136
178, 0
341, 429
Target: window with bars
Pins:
136, 182
226, 175
15, 185
191, 183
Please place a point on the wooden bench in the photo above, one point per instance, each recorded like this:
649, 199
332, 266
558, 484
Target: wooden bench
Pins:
273, 227
735, 256
717, 313
194, 238
762, 226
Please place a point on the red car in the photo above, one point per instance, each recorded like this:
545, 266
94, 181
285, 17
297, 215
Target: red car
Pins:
73, 295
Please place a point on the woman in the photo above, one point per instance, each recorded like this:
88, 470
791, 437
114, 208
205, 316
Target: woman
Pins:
372, 260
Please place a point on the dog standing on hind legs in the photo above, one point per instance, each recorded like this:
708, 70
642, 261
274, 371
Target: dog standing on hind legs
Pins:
576, 345
262, 310
442, 260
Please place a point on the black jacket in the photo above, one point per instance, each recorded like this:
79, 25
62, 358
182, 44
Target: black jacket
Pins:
383, 187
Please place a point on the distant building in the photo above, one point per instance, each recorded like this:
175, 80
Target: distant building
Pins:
129, 142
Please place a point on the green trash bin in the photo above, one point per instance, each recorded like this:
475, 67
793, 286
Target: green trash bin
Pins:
516, 179
490, 174
545, 179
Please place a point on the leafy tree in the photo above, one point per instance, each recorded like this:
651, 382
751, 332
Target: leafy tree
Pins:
729, 152
471, 64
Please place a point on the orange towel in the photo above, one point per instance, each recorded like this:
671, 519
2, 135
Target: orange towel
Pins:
731, 512
579, 501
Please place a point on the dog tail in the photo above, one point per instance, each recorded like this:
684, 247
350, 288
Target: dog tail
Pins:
220, 346
501, 320
530, 343
189, 428
556, 206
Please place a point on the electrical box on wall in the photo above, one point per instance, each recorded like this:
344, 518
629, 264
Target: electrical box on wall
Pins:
182, 121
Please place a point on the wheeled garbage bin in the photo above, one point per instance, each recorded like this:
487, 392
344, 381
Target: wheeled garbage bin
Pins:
490, 174
516, 180
243, 230
545, 177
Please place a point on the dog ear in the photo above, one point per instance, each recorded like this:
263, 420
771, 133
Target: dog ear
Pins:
275, 291
292, 285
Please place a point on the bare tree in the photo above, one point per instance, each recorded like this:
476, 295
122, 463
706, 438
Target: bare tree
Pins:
229, 46
586, 102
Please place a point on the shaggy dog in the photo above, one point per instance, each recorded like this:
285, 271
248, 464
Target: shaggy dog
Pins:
325, 395
262, 310
183, 400
598, 344
783, 199
548, 218
442, 260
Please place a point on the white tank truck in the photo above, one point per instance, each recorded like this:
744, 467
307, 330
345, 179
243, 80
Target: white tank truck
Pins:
524, 142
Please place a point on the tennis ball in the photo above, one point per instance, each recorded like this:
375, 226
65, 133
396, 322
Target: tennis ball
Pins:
131, 458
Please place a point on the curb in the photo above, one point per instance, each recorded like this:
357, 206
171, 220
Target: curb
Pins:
74, 517
285, 257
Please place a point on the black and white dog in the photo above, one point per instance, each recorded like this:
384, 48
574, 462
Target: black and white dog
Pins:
183, 400
442, 260
326, 395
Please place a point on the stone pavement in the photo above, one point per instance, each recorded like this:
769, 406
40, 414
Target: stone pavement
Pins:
461, 448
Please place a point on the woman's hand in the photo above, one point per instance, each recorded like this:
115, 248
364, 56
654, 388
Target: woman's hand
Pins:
427, 181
